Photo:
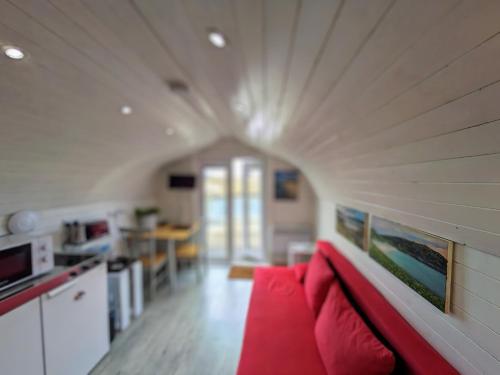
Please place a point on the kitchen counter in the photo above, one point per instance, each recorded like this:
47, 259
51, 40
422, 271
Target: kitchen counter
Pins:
59, 321
67, 266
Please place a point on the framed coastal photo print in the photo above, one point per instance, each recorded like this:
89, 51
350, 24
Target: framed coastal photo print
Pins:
420, 260
286, 184
353, 225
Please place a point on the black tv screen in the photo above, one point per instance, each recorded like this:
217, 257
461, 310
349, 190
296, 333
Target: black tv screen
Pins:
180, 181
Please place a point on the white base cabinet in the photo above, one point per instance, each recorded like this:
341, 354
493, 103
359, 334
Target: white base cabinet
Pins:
75, 324
21, 344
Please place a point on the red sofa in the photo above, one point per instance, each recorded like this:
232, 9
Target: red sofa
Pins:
279, 335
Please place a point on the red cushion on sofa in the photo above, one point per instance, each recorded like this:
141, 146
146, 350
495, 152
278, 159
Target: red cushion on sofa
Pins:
279, 333
318, 280
300, 270
346, 344
415, 355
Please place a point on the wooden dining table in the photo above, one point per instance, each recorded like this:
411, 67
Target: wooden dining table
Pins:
169, 235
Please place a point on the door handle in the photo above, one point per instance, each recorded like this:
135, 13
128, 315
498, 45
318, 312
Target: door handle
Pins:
78, 296
55, 292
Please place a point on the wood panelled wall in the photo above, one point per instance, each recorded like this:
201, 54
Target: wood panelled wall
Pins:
419, 143
117, 213
469, 337
185, 206
390, 106
414, 136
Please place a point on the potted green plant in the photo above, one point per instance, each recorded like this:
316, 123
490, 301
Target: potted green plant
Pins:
147, 217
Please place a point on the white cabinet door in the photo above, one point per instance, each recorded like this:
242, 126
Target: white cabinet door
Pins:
21, 340
75, 324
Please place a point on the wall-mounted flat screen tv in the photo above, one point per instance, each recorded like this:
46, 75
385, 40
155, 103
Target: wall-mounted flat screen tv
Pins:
181, 181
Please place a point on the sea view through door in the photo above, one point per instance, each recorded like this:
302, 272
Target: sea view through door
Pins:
233, 207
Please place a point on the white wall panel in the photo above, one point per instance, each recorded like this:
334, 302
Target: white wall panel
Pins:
467, 27
117, 213
469, 337
390, 106
185, 206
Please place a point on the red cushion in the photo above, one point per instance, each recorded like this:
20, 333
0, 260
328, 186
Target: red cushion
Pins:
318, 280
279, 333
417, 356
300, 270
346, 344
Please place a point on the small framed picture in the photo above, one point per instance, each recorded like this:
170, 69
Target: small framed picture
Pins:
286, 184
353, 225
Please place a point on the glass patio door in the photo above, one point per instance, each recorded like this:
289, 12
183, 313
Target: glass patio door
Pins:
216, 211
247, 210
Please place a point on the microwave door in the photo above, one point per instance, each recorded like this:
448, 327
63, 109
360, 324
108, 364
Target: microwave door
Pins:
16, 265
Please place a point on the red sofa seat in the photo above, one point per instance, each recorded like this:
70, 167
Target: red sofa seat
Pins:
416, 356
279, 334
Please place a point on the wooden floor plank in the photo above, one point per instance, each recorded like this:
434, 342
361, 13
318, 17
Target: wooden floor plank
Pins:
197, 330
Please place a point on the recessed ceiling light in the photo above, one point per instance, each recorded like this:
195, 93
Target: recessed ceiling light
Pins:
126, 110
169, 131
217, 38
13, 52
241, 108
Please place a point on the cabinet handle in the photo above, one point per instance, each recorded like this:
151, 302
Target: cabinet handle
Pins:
55, 292
79, 295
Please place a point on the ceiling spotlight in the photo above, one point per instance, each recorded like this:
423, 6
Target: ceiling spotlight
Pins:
241, 108
12, 52
169, 131
126, 110
217, 38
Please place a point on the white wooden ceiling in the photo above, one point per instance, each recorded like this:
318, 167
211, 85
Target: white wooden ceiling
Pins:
335, 86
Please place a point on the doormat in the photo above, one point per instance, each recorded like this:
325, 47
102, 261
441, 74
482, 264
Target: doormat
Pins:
241, 272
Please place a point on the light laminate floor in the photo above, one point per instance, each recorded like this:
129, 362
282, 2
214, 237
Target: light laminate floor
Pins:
197, 330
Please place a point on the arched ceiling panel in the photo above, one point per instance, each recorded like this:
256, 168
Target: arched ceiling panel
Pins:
349, 90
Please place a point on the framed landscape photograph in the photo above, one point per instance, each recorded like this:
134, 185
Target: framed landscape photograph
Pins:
286, 184
353, 225
421, 260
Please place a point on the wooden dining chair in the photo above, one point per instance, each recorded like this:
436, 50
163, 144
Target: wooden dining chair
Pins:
154, 260
190, 251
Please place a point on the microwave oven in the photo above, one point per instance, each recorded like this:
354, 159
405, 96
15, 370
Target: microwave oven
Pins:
24, 260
